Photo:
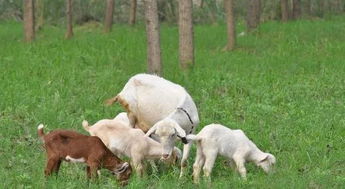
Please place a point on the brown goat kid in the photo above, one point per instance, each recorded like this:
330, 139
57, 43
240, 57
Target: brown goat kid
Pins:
71, 146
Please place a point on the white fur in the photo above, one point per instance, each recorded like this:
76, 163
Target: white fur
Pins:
124, 140
40, 126
122, 117
153, 104
217, 139
75, 160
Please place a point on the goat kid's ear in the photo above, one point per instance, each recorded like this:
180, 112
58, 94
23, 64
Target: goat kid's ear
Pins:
263, 160
151, 131
122, 168
180, 132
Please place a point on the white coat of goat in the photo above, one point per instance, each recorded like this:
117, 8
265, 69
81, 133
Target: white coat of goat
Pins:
217, 139
162, 108
124, 140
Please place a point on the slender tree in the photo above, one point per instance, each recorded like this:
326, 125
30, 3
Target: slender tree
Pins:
307, 7
284, 6
153, 39
186, 44
253, 14
69, 31
39, 10
296, 9
108, 20
133, 12
29, 21
230, 22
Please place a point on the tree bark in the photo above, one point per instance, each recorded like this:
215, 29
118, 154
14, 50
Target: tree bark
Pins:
29, 20
296, 9
284, 10
253, 14
154, 64
307, 8
69, 32
186, 44
230, 21
133, 11
108, 20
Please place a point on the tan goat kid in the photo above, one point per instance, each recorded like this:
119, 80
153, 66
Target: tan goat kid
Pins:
124, 140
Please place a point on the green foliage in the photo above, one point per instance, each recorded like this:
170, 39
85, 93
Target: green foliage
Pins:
283, 85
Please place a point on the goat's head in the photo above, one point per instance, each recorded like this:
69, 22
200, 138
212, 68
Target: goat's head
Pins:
167, 131
123, 172
267, 162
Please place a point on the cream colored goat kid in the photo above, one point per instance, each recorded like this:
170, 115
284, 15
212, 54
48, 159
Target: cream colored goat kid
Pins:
217, 139
124, 140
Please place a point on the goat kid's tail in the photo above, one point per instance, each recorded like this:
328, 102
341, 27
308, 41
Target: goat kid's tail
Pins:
40, 131
110, 101
193, 137
86, 125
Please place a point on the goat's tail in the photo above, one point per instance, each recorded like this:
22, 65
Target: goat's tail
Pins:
193, 137
110, 101
40, 131
86, 125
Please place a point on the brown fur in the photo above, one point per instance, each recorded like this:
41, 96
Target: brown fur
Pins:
62, 143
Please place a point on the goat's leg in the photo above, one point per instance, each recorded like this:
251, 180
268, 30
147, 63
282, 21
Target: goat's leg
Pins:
92, 170
51, 164
138, 166
57, 166
210, 158
88, 172
239, 161
132, 119
186, 149
199, 162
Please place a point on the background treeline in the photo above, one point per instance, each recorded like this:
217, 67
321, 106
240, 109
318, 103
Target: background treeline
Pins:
204, 11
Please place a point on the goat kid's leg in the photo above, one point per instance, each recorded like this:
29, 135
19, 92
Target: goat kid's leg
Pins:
57, 166
239, 161
91, 170
186, 149
199, 162
51, 165
139, 168
210, 158
132, 119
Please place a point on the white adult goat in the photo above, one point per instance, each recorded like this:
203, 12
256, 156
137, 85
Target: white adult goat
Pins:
160, 107
217, 139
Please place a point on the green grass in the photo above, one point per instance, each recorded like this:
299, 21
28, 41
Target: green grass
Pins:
284, 86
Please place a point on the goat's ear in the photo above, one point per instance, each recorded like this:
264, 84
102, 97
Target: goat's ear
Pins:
151, 130
121, 168
180, 132
265, 159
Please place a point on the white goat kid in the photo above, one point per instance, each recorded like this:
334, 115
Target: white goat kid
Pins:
217, 139
124, 140
160, 108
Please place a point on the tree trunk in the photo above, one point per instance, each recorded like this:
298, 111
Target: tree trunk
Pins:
133, 11
154, 64
307, 7
253, 14
186, 44
296, 9
39, 10
230, 21
29, 21
69, 32
284, 10
108, 20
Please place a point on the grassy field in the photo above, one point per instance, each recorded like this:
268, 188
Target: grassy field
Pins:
284, 86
